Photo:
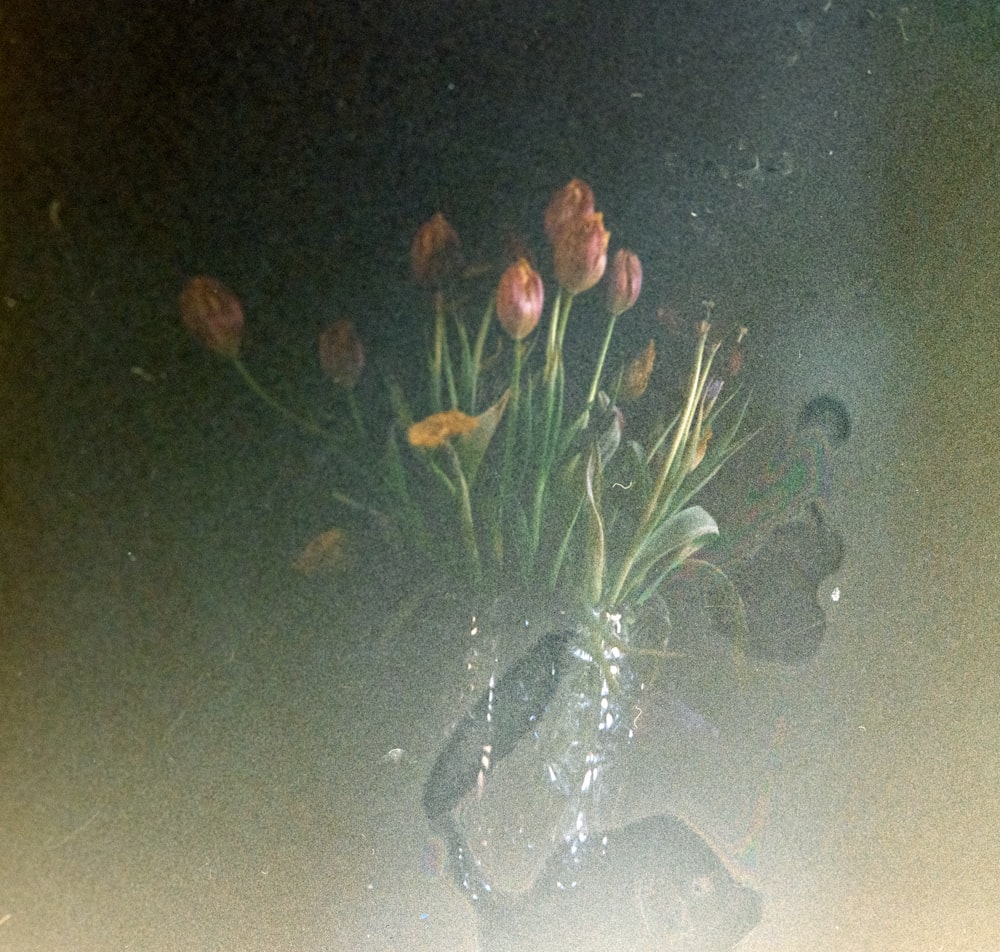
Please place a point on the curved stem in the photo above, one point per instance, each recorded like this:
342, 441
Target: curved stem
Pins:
310, 427
511, 435
477, 353
592, 395
304, 423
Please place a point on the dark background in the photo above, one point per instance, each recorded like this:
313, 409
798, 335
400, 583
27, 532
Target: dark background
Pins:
292, 149
825, 172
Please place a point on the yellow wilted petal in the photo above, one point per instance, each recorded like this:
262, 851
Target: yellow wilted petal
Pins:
438, 428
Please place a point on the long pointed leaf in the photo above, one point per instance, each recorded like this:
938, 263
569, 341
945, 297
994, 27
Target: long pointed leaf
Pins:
594, 570
471, 447
682, 532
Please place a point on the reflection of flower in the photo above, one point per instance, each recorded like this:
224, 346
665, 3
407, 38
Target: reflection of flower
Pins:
435, 251
213, 315
580, 253
520, 296
438, 428
341, 354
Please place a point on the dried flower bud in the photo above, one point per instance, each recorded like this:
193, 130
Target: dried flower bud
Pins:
625, 281
734, 363
435, 251
699, 451
581, 253
637, 373
570, 203
438, 428
713, 388
520, 296
213, 315
341, 354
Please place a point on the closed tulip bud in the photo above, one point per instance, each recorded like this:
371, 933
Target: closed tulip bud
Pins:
580, 253
341, 354
435, 251
213, 315
520, 296
625, 281
574, 201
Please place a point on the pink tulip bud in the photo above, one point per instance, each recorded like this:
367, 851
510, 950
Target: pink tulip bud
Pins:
580, 253
435, 251
520, 296
625, 281
213, 315
341, 354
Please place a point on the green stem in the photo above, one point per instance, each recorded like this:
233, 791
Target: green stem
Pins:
551, 354
449, 376
304, 423
680, 439
310, 427
600, 363
465, 513
556, 386
438, 358
681, 434
511, 434
352, 403
477, 352
563, 324
557, 563
536, 513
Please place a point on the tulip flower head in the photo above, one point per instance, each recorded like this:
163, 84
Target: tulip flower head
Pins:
625, 281
435, 252
580, 253
213, 315
520, 296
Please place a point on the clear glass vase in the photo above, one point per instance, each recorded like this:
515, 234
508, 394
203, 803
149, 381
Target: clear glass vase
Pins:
546, 710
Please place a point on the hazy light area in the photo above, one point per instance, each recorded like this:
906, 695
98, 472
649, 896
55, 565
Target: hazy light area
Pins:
200, 748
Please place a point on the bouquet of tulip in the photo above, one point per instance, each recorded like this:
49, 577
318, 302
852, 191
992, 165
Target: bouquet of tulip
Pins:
512, 468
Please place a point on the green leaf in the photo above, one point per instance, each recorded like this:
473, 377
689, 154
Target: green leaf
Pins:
680, 535
683, 528
472, 447
400, 407
594, 570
